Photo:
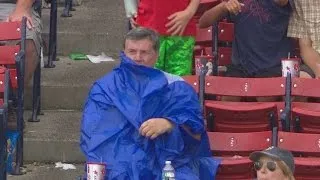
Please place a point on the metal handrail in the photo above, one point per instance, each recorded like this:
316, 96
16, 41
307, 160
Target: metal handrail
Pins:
52, 56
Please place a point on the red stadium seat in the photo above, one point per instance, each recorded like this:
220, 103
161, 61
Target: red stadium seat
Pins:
12, 57
305, 148
224, 56
7, 54
306, 115
204, 37
242, 116
224, 37
234, 149
193, 81
206, 5
225, 31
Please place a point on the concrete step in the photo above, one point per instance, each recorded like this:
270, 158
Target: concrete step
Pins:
40, 171
66, 86
55, 138
98, 26
74, 2
62, 3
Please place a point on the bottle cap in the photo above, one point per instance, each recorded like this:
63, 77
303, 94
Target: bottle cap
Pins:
168, 162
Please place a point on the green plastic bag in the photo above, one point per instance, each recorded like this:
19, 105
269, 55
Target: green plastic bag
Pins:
78, 56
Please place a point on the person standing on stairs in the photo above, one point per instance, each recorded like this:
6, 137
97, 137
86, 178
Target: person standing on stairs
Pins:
175, 22
11, 11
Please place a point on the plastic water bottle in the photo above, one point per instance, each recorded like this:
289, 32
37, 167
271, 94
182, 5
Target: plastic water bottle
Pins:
168, 172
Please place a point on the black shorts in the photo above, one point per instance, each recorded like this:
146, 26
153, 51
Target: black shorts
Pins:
239, 71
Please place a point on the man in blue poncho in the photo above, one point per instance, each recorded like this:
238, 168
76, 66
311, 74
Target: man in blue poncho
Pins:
137, 117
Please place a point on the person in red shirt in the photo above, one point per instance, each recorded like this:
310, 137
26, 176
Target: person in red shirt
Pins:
175, 22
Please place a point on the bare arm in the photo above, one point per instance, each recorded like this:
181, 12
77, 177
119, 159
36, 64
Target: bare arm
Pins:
25, 4
192, 7
23, 9
281, 2
213, 15
179, 20
310, 56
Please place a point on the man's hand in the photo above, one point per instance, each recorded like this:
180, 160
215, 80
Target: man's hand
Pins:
178, 22
154, 127
133, 22
17, 15
234, 6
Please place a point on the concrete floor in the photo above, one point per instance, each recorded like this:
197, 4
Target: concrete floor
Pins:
38, 171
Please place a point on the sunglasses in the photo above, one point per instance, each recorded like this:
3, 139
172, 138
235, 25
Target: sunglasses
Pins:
271, 165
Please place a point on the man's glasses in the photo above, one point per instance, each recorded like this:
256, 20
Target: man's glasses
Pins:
271, 165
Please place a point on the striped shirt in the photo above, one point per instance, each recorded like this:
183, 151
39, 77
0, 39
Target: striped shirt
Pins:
305, 21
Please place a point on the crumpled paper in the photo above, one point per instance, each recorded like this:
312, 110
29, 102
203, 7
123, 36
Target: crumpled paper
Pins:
65, 166
99, 58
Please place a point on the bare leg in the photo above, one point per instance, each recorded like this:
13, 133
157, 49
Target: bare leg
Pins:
31, 61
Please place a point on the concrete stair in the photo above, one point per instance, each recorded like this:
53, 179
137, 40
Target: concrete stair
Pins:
97, 26
55, 138
40, 171
74, 2
64, 90
66, 85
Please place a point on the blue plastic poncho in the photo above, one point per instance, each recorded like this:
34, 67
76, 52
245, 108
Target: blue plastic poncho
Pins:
120, 102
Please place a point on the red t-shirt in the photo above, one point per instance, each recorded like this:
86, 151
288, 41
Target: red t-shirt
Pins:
154, 14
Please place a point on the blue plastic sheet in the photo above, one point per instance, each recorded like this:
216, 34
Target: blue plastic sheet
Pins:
120, 102
12, 139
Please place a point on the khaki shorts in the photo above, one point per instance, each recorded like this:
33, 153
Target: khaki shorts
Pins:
34, 33
305, 22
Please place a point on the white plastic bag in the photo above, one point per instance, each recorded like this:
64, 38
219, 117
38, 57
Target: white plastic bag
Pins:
131, 7
99, 58
65, 166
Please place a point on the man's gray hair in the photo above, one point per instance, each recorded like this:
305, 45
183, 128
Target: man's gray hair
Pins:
141, 33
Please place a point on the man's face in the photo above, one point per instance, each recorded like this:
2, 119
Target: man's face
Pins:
141, 52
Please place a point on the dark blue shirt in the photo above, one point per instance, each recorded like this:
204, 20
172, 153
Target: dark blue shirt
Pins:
261, 35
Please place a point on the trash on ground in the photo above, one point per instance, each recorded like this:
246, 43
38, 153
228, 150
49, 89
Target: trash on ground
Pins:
99, 58
78, 56
65, 166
